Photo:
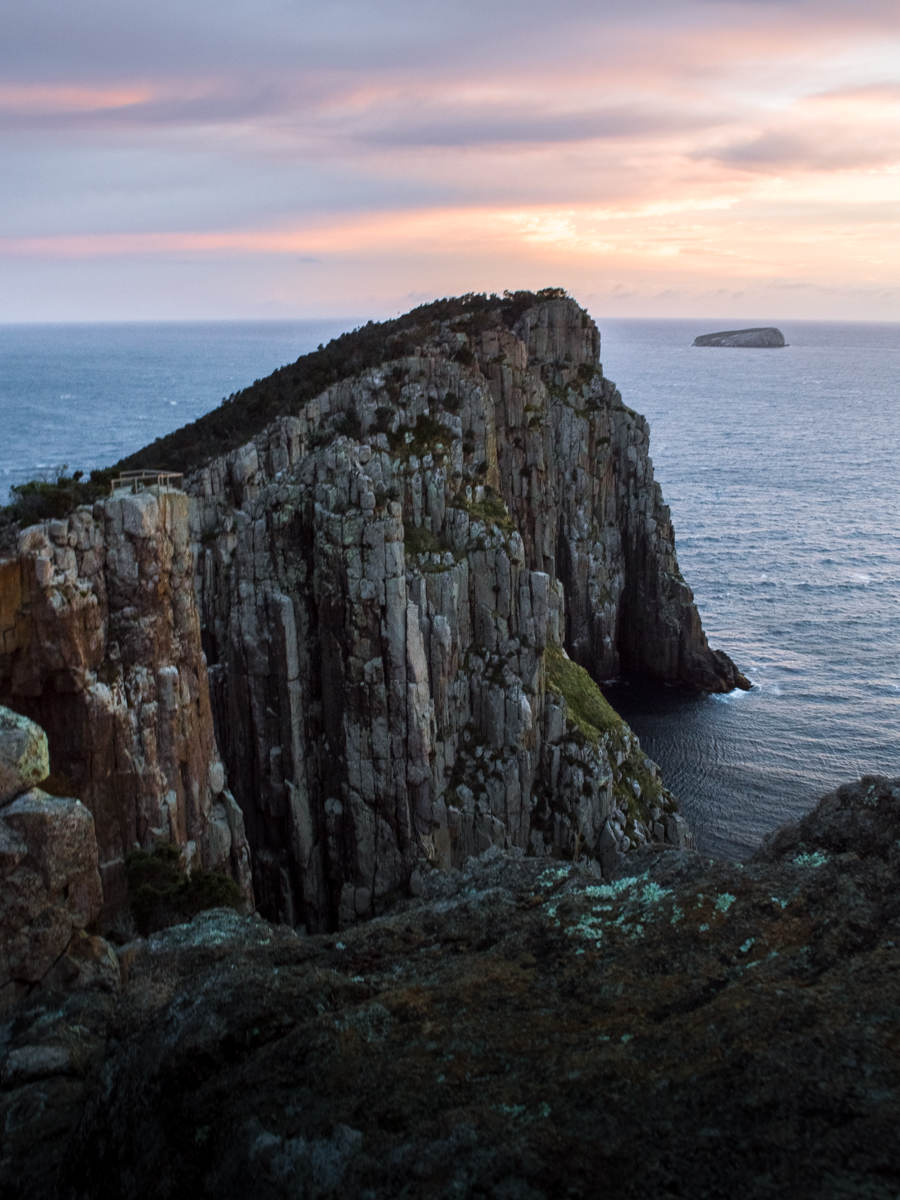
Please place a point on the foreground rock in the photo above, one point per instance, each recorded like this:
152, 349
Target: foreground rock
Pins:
525, 1029
49, 883
767, 338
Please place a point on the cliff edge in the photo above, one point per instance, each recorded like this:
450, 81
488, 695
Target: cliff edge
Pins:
380, 620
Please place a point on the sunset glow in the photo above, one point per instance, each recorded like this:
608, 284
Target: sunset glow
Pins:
742, 158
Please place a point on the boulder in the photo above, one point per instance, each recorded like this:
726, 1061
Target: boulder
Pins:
49, 888
24, 758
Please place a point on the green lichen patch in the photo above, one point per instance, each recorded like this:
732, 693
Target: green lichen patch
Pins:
816, 859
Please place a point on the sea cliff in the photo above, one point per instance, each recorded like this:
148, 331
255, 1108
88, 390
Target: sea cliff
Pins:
365, 643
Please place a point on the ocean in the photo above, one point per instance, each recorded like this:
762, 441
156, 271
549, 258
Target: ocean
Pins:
83, 396
780, 470
778, 465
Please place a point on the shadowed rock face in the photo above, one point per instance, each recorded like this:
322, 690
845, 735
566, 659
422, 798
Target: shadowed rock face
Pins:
744, 339
380, 577
390, 588
524, 1029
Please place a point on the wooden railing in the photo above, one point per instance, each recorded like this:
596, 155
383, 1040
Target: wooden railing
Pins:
136, 481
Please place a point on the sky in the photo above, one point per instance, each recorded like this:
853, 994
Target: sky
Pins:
283, 158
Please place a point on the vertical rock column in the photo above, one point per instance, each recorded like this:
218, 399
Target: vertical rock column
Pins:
102, 648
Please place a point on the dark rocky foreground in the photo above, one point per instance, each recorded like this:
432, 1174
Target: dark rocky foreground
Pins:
522, 1029
767, 338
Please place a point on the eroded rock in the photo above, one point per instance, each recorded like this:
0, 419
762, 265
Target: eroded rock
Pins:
50, 886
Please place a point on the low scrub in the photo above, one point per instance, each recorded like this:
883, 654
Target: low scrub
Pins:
161, 893
46, 499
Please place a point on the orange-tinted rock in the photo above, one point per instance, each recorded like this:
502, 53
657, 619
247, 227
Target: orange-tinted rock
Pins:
102, 649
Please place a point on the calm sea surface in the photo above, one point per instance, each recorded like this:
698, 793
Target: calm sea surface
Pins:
85, 395
780, 469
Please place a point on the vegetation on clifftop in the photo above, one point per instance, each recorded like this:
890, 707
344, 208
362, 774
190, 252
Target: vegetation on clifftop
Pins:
246, 413
46, 499
288, 389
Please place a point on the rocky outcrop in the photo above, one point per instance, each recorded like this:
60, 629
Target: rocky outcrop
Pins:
381, 578
524, 1029
49, 883
767, 338
388, 613
101, 647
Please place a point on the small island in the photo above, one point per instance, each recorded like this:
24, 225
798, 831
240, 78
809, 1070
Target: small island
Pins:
768, 338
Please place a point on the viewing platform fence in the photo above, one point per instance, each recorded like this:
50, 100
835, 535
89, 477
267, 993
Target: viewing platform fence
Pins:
137, 481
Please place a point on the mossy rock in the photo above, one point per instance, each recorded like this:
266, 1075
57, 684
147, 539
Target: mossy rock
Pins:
588, 709
419, 540
492, 511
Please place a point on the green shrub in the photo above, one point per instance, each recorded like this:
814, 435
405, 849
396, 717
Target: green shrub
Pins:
161, 894
348, 425
419, 540
426, 434
43, 499
384, 415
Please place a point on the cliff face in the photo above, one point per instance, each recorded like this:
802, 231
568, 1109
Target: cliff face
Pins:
382, 583
101, 647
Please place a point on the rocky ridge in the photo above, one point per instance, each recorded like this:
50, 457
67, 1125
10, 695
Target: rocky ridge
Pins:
379, 622
525, 1028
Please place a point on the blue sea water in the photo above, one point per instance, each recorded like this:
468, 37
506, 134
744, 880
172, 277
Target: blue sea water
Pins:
83, 396
779, 467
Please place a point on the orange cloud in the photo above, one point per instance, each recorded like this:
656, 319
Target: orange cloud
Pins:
60, 99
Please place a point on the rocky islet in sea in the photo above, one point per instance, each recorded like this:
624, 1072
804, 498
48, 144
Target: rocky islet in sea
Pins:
349, 670
765, 338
